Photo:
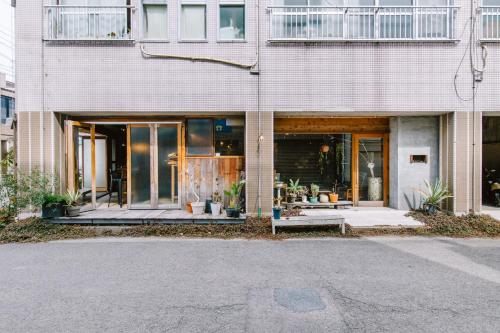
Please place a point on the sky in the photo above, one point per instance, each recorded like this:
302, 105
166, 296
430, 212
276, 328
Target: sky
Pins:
7, 39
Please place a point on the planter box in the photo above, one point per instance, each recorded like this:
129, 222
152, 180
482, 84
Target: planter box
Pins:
54, 210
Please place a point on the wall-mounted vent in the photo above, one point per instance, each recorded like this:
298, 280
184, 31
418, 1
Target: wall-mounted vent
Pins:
418, 159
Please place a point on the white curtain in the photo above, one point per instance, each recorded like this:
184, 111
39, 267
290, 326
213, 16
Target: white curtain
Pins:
193, 22
155, 22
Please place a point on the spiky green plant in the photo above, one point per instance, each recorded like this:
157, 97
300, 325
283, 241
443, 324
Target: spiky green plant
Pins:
234, 193
435, 193
294, 187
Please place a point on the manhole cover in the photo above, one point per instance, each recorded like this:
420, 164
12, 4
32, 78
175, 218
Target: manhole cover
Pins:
299, 300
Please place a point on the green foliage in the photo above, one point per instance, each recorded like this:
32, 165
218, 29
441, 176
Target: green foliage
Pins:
294, 187
234, 193
72, 197
314, 190
19, 191
434, 194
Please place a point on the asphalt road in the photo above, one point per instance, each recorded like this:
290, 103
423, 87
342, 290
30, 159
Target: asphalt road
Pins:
329, 285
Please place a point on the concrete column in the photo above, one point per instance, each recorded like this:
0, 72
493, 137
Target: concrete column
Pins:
259, 195
467, 147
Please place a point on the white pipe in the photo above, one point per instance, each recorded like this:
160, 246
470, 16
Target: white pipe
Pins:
201, 59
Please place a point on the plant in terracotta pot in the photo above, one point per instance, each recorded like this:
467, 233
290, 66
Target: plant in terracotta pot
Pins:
72, 199
233, 210
216, 204
293, 190
334, 196
314, 193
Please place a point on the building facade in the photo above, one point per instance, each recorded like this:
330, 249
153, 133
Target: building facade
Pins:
7, 114
372, 98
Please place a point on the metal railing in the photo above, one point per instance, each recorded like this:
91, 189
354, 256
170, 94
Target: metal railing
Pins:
87, 22
490, 22
325, 23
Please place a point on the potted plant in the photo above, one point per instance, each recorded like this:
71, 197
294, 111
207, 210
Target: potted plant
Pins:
53, 206
293, 190
334, 196
303, 193
72, 205
375, 184
216, 204
433, 195
314, 193
277, 210
233, 210
197, 207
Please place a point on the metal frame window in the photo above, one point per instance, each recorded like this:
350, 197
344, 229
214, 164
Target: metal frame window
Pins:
232, 29
155, 20
490, 20
190, 29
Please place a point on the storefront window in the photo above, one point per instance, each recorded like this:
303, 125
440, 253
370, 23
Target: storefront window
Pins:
199, 137
229, 137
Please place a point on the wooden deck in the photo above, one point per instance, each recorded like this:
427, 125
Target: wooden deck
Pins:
113, 216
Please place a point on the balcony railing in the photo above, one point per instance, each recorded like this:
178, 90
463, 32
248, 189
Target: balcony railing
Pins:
87, 22
371, 23
490, 22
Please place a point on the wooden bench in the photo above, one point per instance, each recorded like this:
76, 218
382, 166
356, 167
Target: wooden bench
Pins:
310, 221
335, 205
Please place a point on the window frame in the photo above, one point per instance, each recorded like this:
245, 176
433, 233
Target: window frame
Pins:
143, 21
221, 3
182, 3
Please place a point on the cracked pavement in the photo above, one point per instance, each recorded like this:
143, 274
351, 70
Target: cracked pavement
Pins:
376, 284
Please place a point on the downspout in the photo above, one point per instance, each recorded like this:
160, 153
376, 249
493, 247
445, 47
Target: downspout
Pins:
42, 121
256, 71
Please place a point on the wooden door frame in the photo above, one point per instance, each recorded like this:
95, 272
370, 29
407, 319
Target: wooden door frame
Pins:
72, 164
153, 168
355, 164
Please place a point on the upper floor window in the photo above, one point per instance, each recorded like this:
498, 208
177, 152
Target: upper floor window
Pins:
362, 19
231, 20
155, 19
193, 21
7, 107
88, 19
490, 19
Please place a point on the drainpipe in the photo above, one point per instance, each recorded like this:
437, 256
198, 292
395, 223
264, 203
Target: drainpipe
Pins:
256, 71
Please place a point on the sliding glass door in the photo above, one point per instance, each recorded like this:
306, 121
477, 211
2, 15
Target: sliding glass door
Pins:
153, 165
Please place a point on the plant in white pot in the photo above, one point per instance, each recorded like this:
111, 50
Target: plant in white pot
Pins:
72, 199
197, 206
216, 204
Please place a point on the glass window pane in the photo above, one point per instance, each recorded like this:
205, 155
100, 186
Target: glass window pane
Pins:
155, 22
140, 165
371, 169
229, 137
199, 139
232, 22
193, 22
167, 165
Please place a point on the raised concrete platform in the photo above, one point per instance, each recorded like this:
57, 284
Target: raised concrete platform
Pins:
326, 220
145, 216
370, 217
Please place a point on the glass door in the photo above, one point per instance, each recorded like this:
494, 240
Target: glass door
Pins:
154, 166
139, 166
370, 169
168, 168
